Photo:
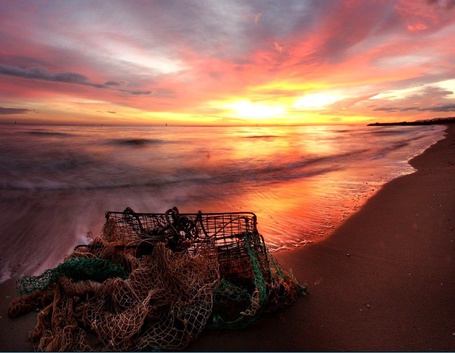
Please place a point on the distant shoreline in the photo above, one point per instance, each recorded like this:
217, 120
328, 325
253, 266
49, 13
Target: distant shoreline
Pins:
437, 121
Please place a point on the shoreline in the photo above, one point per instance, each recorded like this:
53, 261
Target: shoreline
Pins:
382, 281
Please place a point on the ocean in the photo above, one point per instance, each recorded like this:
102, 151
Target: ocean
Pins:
57, 182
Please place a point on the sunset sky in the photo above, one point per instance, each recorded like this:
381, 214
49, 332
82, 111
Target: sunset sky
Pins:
226, 61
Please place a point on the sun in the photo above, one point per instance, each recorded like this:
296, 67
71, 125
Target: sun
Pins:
246, 109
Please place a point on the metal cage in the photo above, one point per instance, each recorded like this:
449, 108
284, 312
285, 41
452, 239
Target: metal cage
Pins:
235, 235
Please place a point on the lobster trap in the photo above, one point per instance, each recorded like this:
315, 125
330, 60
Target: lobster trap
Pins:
234, 235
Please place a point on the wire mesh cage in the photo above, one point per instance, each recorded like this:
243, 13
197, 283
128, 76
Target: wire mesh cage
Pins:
233, 234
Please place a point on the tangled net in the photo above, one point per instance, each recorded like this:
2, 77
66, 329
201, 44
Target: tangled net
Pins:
154, 282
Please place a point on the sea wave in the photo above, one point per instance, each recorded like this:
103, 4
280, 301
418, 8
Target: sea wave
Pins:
47, 133
82, 171
136, 142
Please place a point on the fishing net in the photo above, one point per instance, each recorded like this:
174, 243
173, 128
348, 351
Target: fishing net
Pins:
77, 268
154, 282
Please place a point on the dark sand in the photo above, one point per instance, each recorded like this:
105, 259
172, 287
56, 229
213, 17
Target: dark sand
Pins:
385, 280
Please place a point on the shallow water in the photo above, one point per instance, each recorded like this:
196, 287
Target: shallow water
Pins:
57, 182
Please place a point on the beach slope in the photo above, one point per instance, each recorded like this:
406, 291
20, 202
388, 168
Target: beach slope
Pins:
385, 280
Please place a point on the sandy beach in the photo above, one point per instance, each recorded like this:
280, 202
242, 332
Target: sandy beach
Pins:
385, 280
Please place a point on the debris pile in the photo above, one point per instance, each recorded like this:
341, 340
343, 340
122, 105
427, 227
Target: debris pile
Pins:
154, 282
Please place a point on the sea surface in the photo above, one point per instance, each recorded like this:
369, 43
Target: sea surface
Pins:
57, 182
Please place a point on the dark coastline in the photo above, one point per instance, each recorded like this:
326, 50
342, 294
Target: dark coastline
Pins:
436, 121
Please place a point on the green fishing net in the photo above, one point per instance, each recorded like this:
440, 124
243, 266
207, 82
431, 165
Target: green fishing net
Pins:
78, 269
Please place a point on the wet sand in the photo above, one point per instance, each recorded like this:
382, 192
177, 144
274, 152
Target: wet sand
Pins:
385, 280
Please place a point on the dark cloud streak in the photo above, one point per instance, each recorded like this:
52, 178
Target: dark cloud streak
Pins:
11, 111
446, 108
434, 99
41, 74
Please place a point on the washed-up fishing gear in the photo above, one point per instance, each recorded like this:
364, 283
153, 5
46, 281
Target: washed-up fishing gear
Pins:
154, 282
